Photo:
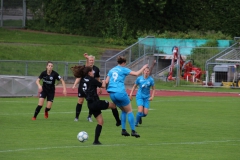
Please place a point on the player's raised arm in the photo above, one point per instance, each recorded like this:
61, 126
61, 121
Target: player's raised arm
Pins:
137, 73
86, 56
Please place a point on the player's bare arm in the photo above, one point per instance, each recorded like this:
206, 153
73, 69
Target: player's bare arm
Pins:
39, 85
77, 80
133, 88
64, 87
153, 93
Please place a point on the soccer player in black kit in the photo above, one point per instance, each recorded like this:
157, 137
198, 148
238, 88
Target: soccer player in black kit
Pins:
89, 85
81, 95
47, 90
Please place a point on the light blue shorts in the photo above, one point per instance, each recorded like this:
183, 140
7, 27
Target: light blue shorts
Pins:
143, 102
120, 99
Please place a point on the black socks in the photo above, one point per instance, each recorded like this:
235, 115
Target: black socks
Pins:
97, 132
37, 110
116, 114
89, 114
78, 110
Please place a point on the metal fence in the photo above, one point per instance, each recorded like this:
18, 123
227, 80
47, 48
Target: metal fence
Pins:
18, 86
34, 68
137, 57
224, 67
15, 13
197, 58
138, 54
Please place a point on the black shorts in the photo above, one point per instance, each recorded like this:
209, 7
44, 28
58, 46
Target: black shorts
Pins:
96, 106
81, 94
49, 95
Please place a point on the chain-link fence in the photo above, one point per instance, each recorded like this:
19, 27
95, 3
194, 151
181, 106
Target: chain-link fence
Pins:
222, 69
136, 56
192, 70
15, 13
207, 66
196, 69
34, 68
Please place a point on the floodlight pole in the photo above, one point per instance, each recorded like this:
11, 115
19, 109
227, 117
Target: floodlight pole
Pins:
178, 68
24, 14
1, 16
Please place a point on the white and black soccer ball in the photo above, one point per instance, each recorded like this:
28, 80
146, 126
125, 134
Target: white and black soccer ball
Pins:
82, 136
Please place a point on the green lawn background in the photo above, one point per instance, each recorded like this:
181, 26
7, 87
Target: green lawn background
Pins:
176, 128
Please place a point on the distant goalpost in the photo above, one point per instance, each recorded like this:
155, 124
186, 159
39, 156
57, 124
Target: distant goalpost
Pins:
231, 56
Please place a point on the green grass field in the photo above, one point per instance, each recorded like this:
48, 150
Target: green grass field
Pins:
183, 128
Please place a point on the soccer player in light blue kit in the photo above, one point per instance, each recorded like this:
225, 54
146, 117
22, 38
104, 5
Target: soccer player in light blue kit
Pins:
116, 88
144, 83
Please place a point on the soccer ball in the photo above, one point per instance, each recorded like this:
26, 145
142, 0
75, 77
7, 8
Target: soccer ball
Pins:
82, 136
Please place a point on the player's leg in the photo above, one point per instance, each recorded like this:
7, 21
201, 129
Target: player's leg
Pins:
121, 99
140, 120
50, 98
123, 114
89, 116
79, 108
115, 113
139, 114
98, 129
131, 121
38, 108
48, 108
145, 112
42, 97
145, 109
123, 123
124, 101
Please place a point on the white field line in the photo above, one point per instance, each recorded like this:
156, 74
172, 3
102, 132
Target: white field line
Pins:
7, 114
162, 100
117, 145
180, 101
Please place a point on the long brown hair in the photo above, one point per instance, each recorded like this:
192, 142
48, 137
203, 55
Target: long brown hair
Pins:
81, 71
121, 59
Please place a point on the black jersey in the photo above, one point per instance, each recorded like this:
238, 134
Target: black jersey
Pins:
49, 80
89, 86
96, 73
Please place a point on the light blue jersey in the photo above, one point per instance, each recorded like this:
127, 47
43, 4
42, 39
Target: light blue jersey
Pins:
118, 94
143, 95
117, 77
144, 86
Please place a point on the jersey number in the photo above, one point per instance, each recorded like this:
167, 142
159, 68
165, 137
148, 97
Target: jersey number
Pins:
115, 76
84, 88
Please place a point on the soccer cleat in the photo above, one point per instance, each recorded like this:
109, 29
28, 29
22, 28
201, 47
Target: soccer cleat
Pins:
125, 133
135, 134
46, 115
89, 119
97, 143
136, 125
118, 123
33, 118
140, 120
75, 119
